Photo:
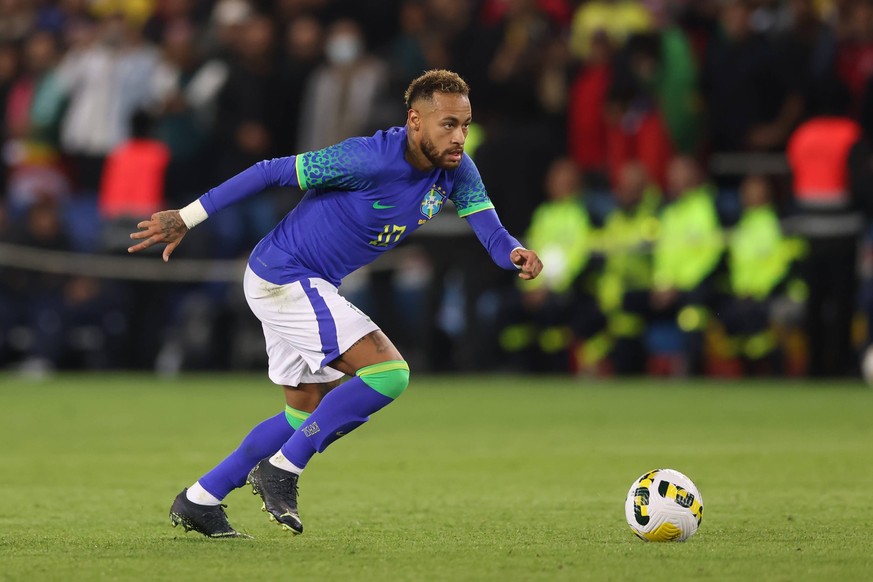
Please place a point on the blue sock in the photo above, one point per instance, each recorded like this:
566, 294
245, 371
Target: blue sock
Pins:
264, 440
342, 410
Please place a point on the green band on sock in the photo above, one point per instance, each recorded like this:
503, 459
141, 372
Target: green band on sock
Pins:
387, 378
295, 417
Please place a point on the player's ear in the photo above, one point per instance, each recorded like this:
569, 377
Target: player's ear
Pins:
413, 119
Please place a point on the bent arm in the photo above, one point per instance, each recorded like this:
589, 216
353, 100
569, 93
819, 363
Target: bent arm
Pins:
494, 237
504, 249
170, 226
257, 178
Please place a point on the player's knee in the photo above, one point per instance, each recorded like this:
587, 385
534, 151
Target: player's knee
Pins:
387, 378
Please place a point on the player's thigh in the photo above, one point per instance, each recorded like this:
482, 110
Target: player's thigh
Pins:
307, 395
307, 325
373, 348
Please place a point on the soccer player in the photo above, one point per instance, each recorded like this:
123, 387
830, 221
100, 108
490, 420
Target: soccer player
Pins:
363, 196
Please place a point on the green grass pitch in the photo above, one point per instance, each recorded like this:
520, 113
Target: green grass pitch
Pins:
463, 478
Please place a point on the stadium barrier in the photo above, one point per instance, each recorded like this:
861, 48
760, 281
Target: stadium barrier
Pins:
139, 269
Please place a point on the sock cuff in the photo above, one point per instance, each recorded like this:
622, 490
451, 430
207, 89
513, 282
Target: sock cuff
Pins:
383, 367
387, 378
295, 417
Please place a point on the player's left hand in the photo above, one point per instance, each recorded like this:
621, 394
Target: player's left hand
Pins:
528, 261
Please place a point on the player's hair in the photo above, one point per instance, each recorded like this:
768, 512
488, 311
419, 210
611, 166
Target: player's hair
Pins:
435, 81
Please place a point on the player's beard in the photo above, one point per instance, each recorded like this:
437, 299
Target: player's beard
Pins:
437, 158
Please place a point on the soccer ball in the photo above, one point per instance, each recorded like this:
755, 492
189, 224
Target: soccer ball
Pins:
663, 506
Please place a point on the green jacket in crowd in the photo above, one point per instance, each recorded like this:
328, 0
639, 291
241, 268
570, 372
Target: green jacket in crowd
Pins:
759, 256
626, 239
690, 243
561, 233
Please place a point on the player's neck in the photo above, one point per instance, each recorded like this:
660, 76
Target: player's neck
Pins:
416, 157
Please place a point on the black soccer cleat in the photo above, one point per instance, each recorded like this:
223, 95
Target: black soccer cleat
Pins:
210, 520
278, 489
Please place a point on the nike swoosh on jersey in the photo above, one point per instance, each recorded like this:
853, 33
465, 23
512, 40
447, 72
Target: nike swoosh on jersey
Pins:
379, 206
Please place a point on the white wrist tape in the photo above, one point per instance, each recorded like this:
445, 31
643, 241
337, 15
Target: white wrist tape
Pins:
193, 214
516, 249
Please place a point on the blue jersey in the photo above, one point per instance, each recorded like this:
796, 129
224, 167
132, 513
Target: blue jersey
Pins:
362, 198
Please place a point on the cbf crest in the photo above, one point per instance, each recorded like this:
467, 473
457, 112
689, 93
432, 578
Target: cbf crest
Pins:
433, 202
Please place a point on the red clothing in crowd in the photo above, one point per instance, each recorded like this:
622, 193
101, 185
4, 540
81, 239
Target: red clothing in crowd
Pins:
647, 141
133, 179
818, 151
855, 68
585, 117
599, 146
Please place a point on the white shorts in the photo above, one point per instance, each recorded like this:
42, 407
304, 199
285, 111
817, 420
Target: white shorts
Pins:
307, 324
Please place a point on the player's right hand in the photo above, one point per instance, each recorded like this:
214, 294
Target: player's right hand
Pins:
163, 227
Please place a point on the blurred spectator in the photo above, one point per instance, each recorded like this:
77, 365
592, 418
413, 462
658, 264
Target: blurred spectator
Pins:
226, 23
9, 64
417, 48
169, 14
344, 97
249, 104
624, 286
830, 219
50, 321
132, 185
855, 57
619, 19
540, 321
106, 80
586, 120
760, 260
686, 255
186, 90
35, 100
698, 20
635, 127
809, 50
469, 45
16, 19
37, 318
304, 50
523, 39
860, 175
676, 87
289, 10
135, 12
33, 113
58, 17
559, 11
747, 92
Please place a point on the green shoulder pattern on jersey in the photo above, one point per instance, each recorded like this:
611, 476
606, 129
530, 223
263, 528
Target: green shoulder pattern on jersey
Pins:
347, 165
487, 205
469, 194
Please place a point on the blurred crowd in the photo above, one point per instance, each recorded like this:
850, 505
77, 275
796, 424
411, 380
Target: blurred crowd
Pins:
697, 175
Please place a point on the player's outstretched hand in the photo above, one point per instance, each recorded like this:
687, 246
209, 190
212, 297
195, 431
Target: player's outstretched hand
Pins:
528, 261
163, 227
